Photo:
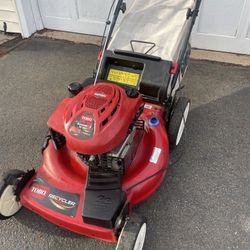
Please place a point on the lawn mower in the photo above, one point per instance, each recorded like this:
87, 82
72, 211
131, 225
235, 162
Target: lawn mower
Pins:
109, 142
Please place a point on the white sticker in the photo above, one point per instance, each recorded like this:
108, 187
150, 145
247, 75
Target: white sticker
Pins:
98, 94
147, 106
155, 156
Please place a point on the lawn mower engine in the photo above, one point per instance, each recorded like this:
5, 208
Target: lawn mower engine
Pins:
104, 109
100, 124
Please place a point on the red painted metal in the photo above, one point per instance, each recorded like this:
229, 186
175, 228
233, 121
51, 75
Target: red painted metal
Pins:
108, 106
64, 170
174, 68
100, 55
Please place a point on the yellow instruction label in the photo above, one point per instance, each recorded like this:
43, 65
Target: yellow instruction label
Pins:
123, 77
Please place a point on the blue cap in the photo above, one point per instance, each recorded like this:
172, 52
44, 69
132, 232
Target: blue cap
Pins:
154, 121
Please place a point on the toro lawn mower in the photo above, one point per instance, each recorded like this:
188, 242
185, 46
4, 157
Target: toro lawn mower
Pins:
108, 144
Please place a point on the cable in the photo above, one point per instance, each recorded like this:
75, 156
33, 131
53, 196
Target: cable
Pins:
107, 23
157, 173
151, 176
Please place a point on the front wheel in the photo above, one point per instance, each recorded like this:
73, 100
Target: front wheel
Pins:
9, 204
133, 234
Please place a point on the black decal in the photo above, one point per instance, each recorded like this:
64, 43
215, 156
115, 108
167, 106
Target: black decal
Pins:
83, 127
53, 198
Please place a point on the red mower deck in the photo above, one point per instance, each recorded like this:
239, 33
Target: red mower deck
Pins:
52, 194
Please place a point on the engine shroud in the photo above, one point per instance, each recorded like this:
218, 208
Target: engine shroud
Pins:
97, 120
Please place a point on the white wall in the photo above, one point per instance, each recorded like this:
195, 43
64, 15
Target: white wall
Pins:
223, 25
28, 19
8, 14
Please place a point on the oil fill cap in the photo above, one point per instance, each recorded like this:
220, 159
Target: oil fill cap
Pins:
154, 121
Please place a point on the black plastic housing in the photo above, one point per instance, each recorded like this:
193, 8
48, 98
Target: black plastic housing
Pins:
104, 198
154, 72
102, 207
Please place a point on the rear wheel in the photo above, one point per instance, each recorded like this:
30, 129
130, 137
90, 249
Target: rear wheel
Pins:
9, 204
178, 121
133, 234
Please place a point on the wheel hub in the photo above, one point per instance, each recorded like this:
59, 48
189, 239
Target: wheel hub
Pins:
8, 203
